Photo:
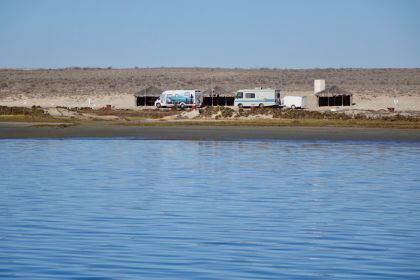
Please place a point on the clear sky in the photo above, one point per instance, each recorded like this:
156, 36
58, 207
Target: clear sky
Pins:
210, 33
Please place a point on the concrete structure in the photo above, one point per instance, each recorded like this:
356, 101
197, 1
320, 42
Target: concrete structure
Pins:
319, 85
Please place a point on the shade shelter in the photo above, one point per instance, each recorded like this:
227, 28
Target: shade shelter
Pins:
334, 96
147, 96
218, 96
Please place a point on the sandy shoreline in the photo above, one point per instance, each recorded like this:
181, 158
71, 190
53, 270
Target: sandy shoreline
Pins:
205, 133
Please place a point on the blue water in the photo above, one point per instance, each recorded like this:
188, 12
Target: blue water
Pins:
128, 209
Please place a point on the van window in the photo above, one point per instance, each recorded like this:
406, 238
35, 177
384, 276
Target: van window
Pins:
240, 95
249, 95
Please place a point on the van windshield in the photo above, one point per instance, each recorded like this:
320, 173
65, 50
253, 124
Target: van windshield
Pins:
239, 95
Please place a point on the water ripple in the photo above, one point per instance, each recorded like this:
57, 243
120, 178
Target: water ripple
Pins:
118, 209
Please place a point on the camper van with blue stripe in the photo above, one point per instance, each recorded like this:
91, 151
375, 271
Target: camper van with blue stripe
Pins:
181, 98
257, 97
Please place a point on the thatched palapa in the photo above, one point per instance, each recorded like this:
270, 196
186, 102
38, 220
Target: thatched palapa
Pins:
332, 91
334, 96
218, 96
149, 91
147, 96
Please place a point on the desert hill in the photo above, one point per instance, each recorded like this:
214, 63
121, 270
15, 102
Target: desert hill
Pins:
26, 87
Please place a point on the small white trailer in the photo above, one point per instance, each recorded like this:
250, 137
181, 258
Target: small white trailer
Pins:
257, 97
294, 102
181, 98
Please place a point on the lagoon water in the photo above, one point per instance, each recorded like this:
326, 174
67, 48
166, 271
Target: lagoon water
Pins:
132, 209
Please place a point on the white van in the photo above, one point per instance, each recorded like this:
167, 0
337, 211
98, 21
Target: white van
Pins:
257, 97
294, 102
182, 98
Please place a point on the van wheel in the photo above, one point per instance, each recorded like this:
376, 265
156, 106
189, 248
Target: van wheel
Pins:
261, 106
158, 105
293, 107
182, 105
240, 105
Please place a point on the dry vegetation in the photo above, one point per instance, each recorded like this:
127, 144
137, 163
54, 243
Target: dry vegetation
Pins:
34, 114
215, 116
38, 114
88, 81
127, 113
277, 117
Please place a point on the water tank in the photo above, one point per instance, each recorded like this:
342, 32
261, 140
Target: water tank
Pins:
319, 85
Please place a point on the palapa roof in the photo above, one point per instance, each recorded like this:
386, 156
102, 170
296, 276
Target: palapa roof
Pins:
217, 91
332, 91
149, 91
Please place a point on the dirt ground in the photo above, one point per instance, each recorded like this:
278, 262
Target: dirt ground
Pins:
373, 89
204, 133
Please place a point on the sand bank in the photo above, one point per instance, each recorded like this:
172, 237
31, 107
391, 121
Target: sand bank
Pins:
205, 133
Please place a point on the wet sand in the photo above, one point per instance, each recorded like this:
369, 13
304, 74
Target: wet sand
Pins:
205, 133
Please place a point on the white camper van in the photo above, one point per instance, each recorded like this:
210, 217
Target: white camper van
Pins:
294, 102
182, 98
257, 97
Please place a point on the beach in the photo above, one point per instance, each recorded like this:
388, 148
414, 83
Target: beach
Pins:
13, 130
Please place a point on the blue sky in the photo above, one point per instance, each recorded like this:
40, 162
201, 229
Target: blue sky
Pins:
213, 33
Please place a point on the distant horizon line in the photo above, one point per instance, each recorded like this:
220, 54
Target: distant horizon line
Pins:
195, 67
